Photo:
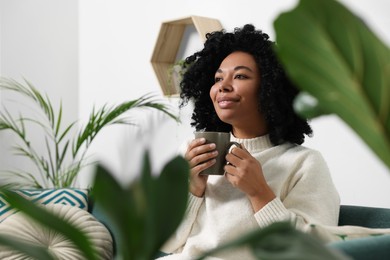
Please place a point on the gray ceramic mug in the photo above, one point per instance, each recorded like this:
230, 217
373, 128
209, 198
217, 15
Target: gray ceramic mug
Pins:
223, 144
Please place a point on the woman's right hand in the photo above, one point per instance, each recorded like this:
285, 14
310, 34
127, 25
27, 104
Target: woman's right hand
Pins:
200, 156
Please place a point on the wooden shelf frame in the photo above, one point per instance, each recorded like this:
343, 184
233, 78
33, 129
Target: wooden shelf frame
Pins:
168, 44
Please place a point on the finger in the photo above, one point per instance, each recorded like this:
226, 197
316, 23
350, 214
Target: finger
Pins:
194, 143
231, 178
240, 152
203, 166
203, 157
233, 159
231, 170
196, 149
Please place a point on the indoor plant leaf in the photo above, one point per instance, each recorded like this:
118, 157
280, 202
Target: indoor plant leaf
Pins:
36, 252
116, 208
144, 214
281, 241
330, 53
167, 201
65, 154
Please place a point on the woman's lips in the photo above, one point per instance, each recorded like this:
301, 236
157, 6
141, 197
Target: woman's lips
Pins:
224, 102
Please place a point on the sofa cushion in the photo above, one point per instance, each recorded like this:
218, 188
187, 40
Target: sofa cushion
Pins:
67, 196
25, 229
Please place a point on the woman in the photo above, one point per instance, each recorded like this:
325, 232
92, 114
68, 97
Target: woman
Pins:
238, 86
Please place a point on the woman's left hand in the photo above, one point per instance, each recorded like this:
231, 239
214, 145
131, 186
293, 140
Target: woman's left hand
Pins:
245, 173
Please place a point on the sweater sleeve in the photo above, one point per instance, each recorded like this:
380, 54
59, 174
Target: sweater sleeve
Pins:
176, 242
308, 197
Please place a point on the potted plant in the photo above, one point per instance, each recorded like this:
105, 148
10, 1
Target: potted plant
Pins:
65, 154
176, 73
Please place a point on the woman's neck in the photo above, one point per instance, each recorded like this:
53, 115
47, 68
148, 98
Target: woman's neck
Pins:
246, 133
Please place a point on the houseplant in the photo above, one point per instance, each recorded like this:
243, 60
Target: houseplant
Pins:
312, 18
175, 74
65, 154
334, 57
150, 210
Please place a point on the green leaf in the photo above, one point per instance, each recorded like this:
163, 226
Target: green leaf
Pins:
118, 207
51, 221
144, 214
167, 204
37, 252
330, 53
114, 115
63, 149
281, 241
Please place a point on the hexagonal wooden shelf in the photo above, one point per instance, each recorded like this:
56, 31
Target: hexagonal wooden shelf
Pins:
168, 44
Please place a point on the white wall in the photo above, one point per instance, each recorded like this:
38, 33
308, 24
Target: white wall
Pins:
115, 43
39, 42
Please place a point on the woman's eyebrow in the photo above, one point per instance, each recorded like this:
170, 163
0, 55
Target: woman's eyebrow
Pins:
237, 68
243, 67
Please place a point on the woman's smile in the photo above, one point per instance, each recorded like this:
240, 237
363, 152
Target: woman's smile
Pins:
226, 102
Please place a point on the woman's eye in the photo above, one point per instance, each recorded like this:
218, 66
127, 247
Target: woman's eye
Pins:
217, 79
240, 76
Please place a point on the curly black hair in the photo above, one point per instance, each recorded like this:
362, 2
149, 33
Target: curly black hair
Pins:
276, 93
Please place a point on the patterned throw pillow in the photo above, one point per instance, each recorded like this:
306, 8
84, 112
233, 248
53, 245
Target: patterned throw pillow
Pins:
67, 196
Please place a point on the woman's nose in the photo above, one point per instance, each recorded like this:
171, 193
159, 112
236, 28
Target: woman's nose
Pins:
225, 86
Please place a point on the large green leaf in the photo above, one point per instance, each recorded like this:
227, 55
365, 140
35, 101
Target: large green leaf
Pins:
281, 241
167, 198
146, 213
36, 252
119, 211
330, 53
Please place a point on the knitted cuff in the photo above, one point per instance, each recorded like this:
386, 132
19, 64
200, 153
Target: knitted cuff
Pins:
273, 212
193, 203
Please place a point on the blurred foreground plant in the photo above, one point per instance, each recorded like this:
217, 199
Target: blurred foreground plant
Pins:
332, 55
142, 216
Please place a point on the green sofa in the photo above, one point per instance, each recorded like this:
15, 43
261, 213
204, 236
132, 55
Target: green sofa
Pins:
370, 247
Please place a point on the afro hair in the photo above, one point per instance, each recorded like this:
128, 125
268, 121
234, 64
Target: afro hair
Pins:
276, 93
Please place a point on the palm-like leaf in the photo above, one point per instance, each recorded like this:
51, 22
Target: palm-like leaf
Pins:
332, 54
60, 143
109, 116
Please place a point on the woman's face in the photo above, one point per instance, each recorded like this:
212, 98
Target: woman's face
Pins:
235, 91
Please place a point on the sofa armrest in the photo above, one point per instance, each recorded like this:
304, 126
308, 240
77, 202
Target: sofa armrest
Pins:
370, 217
365, 248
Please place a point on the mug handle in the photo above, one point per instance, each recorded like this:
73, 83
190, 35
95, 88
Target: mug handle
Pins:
230, 146
234, 143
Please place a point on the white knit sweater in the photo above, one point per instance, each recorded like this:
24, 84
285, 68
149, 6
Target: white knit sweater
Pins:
300, 179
